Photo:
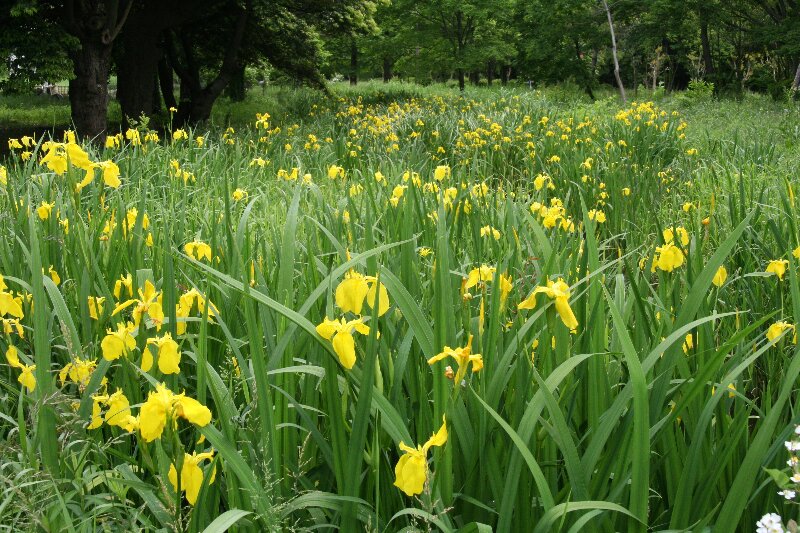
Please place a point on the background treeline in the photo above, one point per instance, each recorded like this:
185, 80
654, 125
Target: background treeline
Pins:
736, 44
186, 53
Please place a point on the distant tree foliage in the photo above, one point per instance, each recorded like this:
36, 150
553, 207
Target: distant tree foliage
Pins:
33, 51
737, 45
184, 53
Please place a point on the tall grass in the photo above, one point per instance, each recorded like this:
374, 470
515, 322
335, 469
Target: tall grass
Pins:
659, 411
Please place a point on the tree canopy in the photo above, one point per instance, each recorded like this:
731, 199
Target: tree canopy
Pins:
184, 53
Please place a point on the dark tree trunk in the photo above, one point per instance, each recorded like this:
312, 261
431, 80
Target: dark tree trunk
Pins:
88, 90
504, 70
490, 66
237, 90
137, 66
387, 69
588, 75
796, 82
196, 109
461, 83
95, 24
708, 62
156, 91
196, 100
166, 82
353, 62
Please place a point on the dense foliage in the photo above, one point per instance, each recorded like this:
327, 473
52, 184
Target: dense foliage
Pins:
458, 313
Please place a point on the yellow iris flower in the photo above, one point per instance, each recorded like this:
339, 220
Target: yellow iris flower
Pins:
463, 357
411, 471
335, 172
340, 333
198, 250
669, 257
78, 371
506, 285
185, 305
44, 209
777, 329
169, 356
558, 291
123, 281
163, 405
441, 172
669, 235
355, 288
119, 411
118, 343
95, 304
8, 304
720, 276
191, 475
26, 376
110, 173
483, 274
777, 267
149, 302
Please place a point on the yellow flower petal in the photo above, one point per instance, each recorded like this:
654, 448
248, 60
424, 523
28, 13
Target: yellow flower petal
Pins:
27, 378
328, 328
383, 298
147, 360
351, 292
566, 314
411, 474
345, 347
192, 410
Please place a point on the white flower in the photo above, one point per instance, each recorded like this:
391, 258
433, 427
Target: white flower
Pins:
797, 430
770, 523
788, 494
792, 445
795, 477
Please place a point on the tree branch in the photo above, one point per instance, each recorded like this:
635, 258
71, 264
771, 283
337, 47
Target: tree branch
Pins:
231, 60
121, 21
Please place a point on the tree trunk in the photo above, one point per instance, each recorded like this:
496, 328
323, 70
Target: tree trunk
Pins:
461, 83
796, 82
614, 53
489, 72
475, 77
708, 62
504, 75
387, 69
156, 95
165, 81
353, 62
656, 69
236, 89
588, 76
88, 90
196, 101
197, 109
137, 67
95, 24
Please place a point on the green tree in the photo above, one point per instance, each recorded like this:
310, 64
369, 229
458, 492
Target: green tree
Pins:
35, 50
561, 40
